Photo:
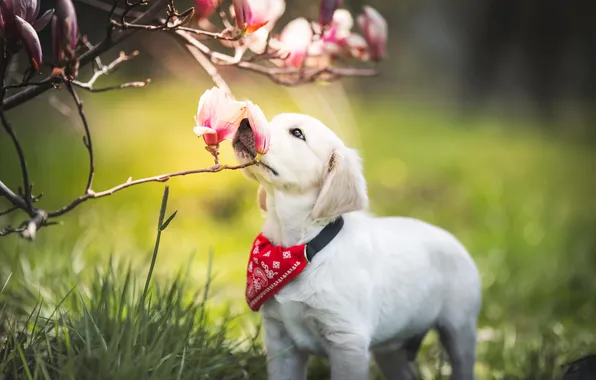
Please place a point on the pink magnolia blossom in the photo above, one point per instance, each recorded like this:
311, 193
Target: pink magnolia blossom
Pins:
374, 30
260, 128
295, 39
205, 8
268, 12
218, 116
337, 40
245, 17
340, 29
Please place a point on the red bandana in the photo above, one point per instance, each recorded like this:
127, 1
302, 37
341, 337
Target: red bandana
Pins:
270, 268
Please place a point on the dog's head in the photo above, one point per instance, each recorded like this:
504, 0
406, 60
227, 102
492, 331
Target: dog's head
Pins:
305, 157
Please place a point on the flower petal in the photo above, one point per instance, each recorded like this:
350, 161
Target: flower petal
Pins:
200, 131
220, 113
295, 38
260, 127
30, 40
374, 30
242, 12
32, 10
8, 20
251, 28
268, 11
205, 8
41, 22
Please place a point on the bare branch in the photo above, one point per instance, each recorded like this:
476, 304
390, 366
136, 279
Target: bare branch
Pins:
87, 139
12, 197
130, 182
22, 161
287, 76
40, 218
106, 44
9, 230
106, 70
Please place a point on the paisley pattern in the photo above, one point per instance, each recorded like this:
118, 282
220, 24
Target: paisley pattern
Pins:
270, 268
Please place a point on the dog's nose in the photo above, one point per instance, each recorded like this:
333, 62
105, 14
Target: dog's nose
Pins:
244, 139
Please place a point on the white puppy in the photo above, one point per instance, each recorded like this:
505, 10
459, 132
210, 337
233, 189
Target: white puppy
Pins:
379, 286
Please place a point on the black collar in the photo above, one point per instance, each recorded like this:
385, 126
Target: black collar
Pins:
323, 238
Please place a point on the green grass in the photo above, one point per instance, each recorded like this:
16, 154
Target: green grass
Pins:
121, 333
520, 199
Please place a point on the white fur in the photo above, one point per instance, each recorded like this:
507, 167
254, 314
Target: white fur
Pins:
378, 287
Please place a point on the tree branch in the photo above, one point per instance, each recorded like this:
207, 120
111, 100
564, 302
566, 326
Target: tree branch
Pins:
287, 76
106, 70
40, 218
130, 182
22, 162
103, 46
87, 138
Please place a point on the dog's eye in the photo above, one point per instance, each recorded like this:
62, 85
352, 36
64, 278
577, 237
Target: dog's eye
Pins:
297, 132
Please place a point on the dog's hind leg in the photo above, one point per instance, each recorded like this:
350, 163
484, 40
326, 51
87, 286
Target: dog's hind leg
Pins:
394, 365
460, 344
398, 364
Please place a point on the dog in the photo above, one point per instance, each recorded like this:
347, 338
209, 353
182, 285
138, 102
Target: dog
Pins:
376, 288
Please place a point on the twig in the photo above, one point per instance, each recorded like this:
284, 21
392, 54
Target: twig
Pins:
40, 218
130, 182
87, 138
287, 76
12, 197
115, 87
85, 41
106, 70
10, 230
45, 82
106, 44
22, 161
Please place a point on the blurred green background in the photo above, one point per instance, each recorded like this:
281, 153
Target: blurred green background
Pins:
517, 189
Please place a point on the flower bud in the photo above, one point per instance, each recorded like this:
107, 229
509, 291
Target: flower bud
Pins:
374, 31
326, 10
65, 31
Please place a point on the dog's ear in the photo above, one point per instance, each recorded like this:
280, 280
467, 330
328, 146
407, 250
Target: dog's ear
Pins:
344, 186
262, 199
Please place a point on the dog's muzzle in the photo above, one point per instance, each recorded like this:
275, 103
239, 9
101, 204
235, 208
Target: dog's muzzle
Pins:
244, 140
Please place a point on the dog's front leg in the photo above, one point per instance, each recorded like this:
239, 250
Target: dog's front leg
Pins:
349, 359
284, 360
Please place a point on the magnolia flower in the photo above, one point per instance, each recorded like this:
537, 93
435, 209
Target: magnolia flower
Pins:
259, 125
339, 30
356, 46
245, 19
327, 11
19, 22
295, 39
205, 8
65, 32
374, 30
268, 12
218, 116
